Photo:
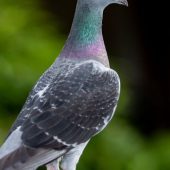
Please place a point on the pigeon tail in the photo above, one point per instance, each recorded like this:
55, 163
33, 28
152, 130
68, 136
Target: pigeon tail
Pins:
15, 159
26, 158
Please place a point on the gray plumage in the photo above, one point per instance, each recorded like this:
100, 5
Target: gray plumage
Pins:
71, 102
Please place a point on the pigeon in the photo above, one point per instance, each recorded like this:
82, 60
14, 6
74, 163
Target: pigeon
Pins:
72, 101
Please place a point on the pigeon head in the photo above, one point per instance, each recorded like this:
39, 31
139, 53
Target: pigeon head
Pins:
104, 3
85, 40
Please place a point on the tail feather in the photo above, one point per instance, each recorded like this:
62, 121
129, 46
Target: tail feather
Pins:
25, 158
17, 158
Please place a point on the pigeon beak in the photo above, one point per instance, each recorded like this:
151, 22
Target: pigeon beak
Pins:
125, 2
122, 2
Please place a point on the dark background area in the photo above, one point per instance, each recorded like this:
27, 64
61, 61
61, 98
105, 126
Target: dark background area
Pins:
32, 33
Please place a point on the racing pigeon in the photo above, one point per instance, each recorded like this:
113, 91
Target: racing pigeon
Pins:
71, 102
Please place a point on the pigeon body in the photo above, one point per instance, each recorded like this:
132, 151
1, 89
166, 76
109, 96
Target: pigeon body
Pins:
70, 103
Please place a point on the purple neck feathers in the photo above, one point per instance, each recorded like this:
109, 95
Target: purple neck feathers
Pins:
85, 40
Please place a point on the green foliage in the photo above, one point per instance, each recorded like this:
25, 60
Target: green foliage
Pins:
29, 43
26, 39
120, 147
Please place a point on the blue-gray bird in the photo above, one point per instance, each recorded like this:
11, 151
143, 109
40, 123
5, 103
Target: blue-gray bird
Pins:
71, 102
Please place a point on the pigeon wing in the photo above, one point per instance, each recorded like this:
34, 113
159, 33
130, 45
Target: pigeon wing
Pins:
72, 109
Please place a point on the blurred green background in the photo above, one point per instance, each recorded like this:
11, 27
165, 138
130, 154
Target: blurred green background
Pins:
32, 33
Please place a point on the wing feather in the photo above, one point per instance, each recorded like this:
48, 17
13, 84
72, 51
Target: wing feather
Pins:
74, 107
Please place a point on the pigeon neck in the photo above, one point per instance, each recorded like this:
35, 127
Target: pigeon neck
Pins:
85, 40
